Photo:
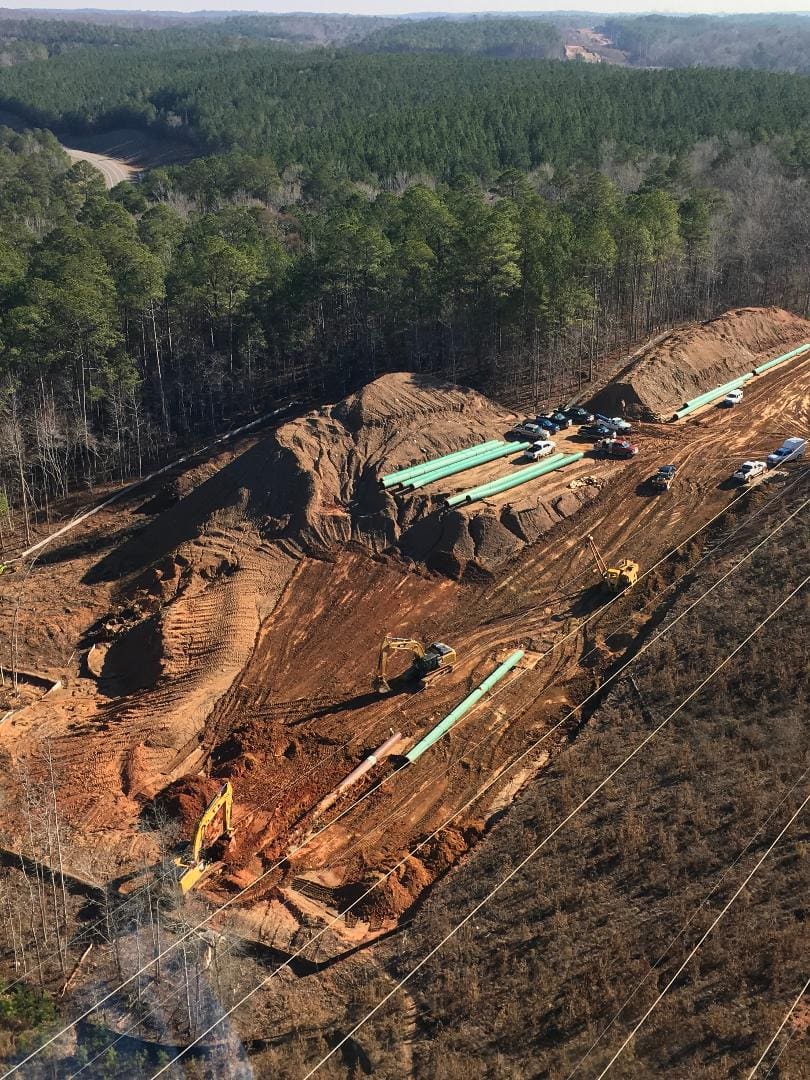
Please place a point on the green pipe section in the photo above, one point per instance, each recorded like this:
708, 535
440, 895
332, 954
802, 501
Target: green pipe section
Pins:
758, 370
401, 475
492, 486
712, 395
522, 476
467, 463
464, 707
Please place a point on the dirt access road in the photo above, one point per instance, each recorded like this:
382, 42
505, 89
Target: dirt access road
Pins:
112, 169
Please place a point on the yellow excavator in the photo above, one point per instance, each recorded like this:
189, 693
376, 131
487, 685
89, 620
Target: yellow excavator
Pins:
616, 578
193, 864
427, 662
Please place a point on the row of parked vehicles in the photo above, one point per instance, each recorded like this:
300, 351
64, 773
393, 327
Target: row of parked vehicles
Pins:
791, 450
607, 433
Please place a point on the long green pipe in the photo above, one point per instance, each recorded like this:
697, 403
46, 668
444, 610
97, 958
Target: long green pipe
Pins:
522, 476
490, 488
467, 463
713, 395
464, 707
401, 475
734, 384
758, 370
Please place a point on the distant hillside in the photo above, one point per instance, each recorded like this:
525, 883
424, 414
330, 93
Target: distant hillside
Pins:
766, 42
530, 38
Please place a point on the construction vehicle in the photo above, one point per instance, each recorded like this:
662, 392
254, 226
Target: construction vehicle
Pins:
427, 663
664, 478
193, 863
616, 578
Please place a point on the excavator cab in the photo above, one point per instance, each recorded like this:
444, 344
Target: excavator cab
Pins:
193, 864
427, 662
616, 578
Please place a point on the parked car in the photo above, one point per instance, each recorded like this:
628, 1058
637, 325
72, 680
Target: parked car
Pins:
561, 420
616, 424
547, 425
527, 430
664, 478
749, 470
592, 432
540, 449
578, 415
790, 450
616, 448
732, 399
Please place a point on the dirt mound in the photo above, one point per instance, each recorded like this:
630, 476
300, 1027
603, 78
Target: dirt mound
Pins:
320, 489
691, 360
184, 800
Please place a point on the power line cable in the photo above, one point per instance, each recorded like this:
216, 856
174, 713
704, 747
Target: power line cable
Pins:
776, 1034
231, 900
580, 806
654, 967
501, 884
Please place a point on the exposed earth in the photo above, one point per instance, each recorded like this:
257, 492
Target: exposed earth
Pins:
224, 623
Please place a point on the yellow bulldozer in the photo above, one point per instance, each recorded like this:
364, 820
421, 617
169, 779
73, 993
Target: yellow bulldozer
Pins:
193, 863
428, 662
616, 578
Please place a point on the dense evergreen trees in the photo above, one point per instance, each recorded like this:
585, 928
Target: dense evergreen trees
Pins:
136, 320
378, 116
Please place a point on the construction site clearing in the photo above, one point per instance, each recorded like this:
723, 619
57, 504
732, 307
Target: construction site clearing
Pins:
216, 636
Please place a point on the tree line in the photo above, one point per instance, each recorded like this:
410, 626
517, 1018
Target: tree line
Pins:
137, 320
379, 116
769, 42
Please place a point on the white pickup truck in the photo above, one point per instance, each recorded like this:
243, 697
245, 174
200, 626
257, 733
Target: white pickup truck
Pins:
790, 450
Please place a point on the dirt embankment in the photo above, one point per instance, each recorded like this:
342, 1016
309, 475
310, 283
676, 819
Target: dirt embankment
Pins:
321, 488
693, 359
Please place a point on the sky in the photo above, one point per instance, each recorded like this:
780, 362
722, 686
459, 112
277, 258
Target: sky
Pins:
399, 7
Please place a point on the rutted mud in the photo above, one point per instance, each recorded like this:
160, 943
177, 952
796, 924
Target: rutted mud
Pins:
232, 630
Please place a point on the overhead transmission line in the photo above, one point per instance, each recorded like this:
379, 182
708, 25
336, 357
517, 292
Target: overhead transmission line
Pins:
539, 847
580, 806
778, 1031
655, 966
231, 900
714, 923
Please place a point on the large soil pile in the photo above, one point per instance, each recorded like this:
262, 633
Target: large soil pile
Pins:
689, 361
321, 486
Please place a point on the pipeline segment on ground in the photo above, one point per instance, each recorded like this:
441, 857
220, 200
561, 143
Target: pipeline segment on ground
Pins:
359, 771
468, 463
760, 368
734, 384
522, 476
712, 395
401, 475
464, 706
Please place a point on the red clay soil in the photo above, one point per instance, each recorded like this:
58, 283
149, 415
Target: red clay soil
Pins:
260, 598
693, 359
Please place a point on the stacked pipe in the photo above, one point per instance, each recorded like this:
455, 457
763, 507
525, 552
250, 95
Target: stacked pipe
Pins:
463, 707
470, 462
401, 475
522, 476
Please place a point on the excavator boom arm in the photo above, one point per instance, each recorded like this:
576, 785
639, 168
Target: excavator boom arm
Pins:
387, 649
222, 800
597, 555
